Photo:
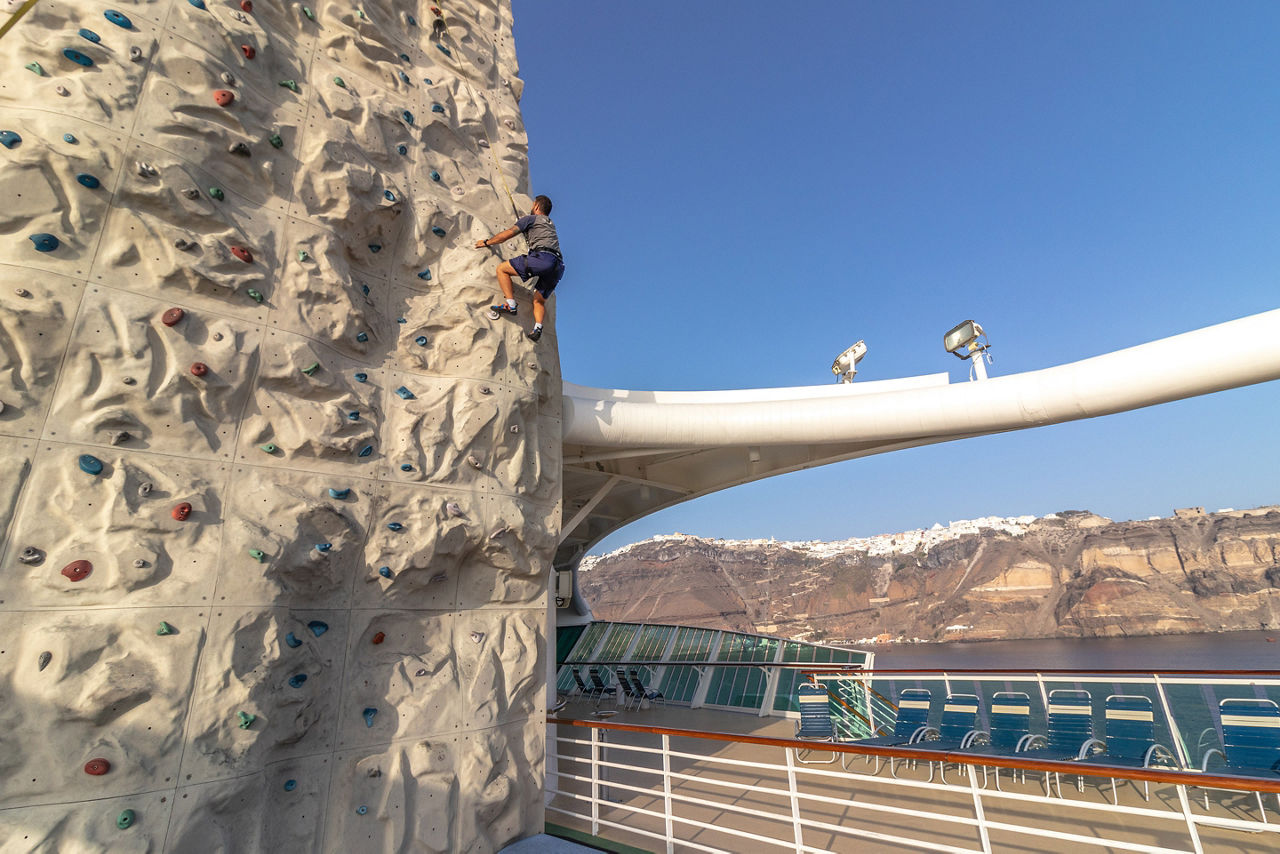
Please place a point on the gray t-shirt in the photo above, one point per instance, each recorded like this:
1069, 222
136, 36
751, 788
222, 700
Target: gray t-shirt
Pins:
540, 232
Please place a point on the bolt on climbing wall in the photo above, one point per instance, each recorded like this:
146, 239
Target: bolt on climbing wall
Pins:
279, 501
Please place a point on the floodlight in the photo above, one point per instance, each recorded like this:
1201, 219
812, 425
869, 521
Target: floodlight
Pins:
846, 364
966, 335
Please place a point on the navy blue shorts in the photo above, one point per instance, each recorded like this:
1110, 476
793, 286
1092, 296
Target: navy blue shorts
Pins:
545, 265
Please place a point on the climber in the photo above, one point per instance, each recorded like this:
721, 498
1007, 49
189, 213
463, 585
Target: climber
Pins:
543, 261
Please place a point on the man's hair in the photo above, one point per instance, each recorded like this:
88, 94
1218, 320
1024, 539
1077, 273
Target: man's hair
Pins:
544, 204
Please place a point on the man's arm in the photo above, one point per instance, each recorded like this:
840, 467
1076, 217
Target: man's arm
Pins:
500, 237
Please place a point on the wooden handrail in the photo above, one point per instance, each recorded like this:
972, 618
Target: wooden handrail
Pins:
1177, 777
855, 670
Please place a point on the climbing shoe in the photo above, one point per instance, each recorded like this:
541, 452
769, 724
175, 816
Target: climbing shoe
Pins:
495, 311
535, 333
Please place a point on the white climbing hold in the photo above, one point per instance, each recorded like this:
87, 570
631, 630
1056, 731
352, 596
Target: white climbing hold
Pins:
146, 170
477, 637
453, 509
473, 461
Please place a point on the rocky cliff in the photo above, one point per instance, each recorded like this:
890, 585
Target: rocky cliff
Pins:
1071, 574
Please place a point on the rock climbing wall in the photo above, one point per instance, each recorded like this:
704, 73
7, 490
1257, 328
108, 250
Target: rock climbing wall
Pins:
279, 500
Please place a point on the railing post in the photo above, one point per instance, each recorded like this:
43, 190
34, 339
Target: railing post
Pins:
666, 793
595, 782
983, 835
1191, 820
795, 800
1174, 732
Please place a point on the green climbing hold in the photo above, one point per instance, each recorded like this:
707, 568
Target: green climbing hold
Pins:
311, 368
35, 68
254, 294
360, 12
290, 84
267, 448
125, 820
216, 193
339, 82
258, 554
246, 719
306, 10
276, 141
164, 629
303, 255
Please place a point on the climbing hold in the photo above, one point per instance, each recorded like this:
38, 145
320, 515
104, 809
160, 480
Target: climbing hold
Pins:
77, 57
239, 148
258, 554
435, 10
362, 337
388, 195
324, 547
30, 556
199, 369
90, 464
216, 193
444, 50
405, 393
353, 416
384, 571
125, 820
118, 18
365, 451
183, 245
425, 275
144, 488
164, 629
453, 509
403, 149
375, 248
498, 532
191, 193
303, 255
35, 68
318, 627
404, 78
77, 570
45, 658
246, 6
362, 809
311, 368
360, 12
128, 380
290, 785
292, 641
290, 84
297, 680
306, 10
379, 637
401, 320
438, 231
412, 21
406, 467
254, 294
97, 767
276, 140
484, 389
9, 139
87, 180
473, 461
422, 671
139, 563
181, 512
199, 4
435, 176
436, 108
224, 97
268, 448
339, 493
477, 637
120, 437
135, 53
395, 526
45, 242
90, 35
22, 292
242, 253
361, 377
369, 714
364, 289
426, 80
515, 428
339, 82
407, 116
172, 317
246, 719
146, 170
248, 51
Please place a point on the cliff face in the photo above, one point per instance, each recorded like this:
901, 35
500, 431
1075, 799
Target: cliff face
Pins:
1073, 574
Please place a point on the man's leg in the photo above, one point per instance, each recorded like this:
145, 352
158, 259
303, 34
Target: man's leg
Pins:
539, 308
505, 272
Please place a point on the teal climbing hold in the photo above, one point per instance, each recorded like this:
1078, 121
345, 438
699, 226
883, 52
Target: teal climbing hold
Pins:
353, 416
395, 526
437, 231
45, 242
388, 195
290, 785
303, 255
421, 341
339, 82
444, 50
365, 451
89, 464
164, 629
435, 176
406, 467
35, 68
77, 57
324, 547
258, 554
361, 377
384, 571
369, 714
9, 138
246, 719
436, 108
292, 641
297, 680
268, 448
70, 137
413, 22
360, 12
87, 180
407, 116
362, 337
199, 4
311, 368
401, 320
306, 10
425, 275
405, 393
339, 493
275, 140
364, 289
90, 35
254, 294
362, 809
318, 627
404, 78
375, 248
290, 84
403, 149
426, 80
216, 193
125, 820
404, 57
118, 18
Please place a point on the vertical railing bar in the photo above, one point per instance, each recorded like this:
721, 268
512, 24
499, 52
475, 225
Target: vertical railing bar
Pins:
983, 834
1044, 695
595, 781
1191, 820
1174, 732
795, 800
666, 793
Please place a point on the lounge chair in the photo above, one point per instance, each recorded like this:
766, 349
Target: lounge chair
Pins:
957, 730
1070, 732
649, 694
601, 690
1130, 740
630, 695
815, 721
584, 690
1010, 730
913, 720
1250, 742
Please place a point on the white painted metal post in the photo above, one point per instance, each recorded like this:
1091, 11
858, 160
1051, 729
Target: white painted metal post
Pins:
595, 782
666, 793
977, 809
1174, 732
795, 800
1191, 820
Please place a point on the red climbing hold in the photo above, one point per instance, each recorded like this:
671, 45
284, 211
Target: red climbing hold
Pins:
246, 5
435, 10
182, 511
199, 369
173, 317
77, 570
379, 637
224, 97
243, 254
97, 767
248, 51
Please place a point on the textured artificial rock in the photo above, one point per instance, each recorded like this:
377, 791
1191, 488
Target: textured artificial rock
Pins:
292, 237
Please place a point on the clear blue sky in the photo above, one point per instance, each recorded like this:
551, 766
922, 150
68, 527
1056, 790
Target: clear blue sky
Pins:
743, 189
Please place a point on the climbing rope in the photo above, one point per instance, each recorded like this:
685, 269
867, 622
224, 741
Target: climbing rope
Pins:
17, 16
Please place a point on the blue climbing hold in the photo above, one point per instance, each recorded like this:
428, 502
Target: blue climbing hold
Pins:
199, 4
436, 108
388, 195
87, 180
421, 341
292, 641
90, 35
404, 57
290, 785
384, 571
323, 547
404, 78
365, 451
353, 416
437, 231
444, 50
9, 139
362, 337
70, 137
407, 116
361, 376
426, 80
401, 320
403, 149
339, 493
395, 526
413, 22
405, 393
362, 809
77, 57
318, 627
118, 18
435, 176
425, 275
375, 248
406, 467
369, 714
364, 289
89, 464
45, 242
296, 681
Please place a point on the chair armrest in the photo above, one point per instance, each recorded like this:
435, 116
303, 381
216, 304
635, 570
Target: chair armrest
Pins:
1026, 741
919, 734
972, 736
1158, 751
1204, 761
1086, 748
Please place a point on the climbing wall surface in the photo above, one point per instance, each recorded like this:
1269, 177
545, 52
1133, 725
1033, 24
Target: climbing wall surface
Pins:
278, 501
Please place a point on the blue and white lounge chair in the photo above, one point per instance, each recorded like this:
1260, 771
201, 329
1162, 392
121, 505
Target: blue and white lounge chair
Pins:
1010, 730
912, 722
958, 728
1250, 742
1070, 732
815, 721
1130, 739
